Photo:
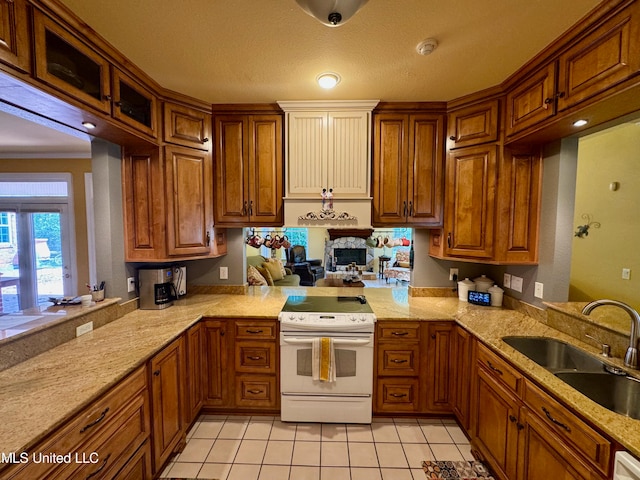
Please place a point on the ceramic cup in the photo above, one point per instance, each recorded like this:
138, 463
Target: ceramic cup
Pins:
97, 295
86, 300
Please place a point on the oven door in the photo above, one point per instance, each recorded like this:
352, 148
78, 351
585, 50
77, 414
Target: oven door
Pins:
354, 364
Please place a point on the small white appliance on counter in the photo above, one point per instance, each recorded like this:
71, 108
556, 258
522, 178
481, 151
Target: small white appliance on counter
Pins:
350, 322
626, 467
180, 280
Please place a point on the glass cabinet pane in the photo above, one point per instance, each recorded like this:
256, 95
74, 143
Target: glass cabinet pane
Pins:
135, 105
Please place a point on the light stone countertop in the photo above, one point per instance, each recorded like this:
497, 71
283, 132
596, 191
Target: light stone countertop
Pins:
40, 394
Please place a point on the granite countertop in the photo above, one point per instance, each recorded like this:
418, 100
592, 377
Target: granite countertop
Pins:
40, 394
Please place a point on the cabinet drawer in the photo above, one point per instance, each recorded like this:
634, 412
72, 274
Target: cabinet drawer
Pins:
396, 330
398, 359
398, 395
253, 329
256, 391
255, 357
589, 443
499, 369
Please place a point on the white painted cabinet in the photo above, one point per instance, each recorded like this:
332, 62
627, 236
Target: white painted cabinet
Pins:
328, 146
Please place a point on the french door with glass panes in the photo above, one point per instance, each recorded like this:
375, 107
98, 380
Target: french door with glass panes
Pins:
34, 254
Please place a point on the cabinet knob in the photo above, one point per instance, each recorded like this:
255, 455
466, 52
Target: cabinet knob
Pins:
208, 238
244, 209
156, 373
433, 336
205, 140
118, 103
512, 418
222, 333
107, 98
449, 239
404, 208
452, 138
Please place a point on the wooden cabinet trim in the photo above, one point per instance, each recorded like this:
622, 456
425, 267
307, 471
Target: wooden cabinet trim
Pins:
186, 126
15, 43
474, 125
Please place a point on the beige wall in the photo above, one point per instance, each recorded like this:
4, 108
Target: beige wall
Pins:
77, 168
598, 259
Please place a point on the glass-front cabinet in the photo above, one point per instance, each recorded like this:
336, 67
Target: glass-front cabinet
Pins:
68, 64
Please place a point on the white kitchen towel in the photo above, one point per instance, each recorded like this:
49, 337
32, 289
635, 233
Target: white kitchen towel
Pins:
323, 360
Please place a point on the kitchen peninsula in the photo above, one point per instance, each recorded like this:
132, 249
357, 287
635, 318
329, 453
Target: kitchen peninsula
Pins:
39, 395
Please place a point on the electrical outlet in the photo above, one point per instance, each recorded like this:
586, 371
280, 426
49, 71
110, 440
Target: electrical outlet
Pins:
538, 290
452, 272
516, 283
224, 273
507, 281
626, 273
131, 284
84, 328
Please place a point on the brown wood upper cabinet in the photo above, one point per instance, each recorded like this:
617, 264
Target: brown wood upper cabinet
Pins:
186, 126
14, 34
248, 170
473, 125
591, 66
408, 157
80, 72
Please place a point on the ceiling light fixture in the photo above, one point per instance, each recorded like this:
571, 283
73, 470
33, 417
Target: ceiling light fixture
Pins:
580, 123
427, 46
89, 125
331, 13
328, 80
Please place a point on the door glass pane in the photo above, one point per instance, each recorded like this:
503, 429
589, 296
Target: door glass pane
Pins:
9, 267
47, 242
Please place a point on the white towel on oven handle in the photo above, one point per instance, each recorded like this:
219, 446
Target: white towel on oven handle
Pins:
316, 360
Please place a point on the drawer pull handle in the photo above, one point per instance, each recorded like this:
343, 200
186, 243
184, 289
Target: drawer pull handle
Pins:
497, 370
255, 358
553, 420
253, 331
96, 421
512, 418
156, 373
397, 360
104, 464
255, 392
399, 334
398, 395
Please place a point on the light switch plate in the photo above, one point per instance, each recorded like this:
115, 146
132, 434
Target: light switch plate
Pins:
516, 283
224, 273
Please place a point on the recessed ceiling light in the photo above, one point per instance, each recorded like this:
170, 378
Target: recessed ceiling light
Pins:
328, 80
89, 125
580, 123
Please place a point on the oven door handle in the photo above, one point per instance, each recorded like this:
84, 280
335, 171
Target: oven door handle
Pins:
337, 341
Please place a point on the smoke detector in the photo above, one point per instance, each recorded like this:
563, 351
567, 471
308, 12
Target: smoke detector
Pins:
427, 46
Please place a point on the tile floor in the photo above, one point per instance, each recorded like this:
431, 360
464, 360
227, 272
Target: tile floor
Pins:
264, 448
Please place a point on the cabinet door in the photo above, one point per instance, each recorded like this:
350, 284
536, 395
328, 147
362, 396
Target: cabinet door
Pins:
471, 180
64, 62
194, 393
542, 456
14, 34
439, 382
461, 366
348, 156
495, 429
307, 154
189, 197
532, 100
474, 125
144, 205
518, 206
186, 126
167, 386
231, 170
134, 104
265, 170
390, 163
425, 170
216, 357
605, 57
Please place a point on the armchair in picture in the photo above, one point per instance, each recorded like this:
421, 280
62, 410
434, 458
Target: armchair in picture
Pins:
309, 269
399, 269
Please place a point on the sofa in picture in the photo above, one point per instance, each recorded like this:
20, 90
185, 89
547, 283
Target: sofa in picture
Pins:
262, 271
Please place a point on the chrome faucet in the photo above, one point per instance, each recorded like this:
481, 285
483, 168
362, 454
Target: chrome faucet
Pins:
631, 357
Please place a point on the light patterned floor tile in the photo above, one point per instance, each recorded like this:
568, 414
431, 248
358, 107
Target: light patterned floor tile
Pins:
436, 434
396, 474
251, 451
405, 420
457, 434
306, 453
283, 431
309, 432
335, 473
410, 433
279, 452
430, 421
208, 429
304, 473
258, 431
365, 474
382, 420
416, 453
196, 450
385, 432
233, 429
362, 455
359, 433
444, 451
244, 472
391, 455
274, 472
465, 451
223, 451
334, 454
334, 432
219, 471
185, 470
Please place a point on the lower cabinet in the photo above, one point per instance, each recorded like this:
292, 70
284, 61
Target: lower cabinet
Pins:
113, 430
194, 388
461, 358
167, 379
242, 365
412, 367
525, 434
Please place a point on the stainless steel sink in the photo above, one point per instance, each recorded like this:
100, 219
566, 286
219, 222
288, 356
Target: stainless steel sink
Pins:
620, 394
555, 355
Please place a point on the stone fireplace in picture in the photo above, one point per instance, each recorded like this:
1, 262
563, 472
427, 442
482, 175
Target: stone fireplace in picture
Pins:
343, 251
347, 256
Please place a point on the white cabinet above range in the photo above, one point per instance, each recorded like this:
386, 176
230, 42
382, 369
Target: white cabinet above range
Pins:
328, 146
